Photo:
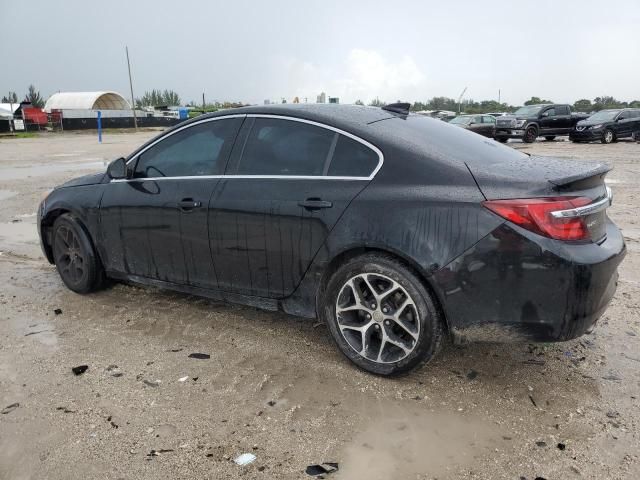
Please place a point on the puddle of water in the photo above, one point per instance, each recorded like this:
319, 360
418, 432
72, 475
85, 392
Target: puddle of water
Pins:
17, 173
4, 194
18, 232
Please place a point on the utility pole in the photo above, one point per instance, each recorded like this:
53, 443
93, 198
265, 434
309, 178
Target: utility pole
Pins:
499, 96
460, 99
133, 100
203, 104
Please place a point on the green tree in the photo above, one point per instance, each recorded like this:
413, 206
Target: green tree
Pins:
583, 105
376, 102
11, 98
602, 103
157, 98
536, 101
170, 97
33, 96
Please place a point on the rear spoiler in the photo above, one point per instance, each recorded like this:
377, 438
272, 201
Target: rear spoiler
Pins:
588, 177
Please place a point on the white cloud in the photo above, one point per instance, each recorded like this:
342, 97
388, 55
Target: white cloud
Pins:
362, 74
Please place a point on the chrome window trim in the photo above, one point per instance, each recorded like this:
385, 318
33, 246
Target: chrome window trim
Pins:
594, 207
282, 177
158, 140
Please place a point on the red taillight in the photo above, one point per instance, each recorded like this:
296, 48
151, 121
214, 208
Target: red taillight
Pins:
535, 214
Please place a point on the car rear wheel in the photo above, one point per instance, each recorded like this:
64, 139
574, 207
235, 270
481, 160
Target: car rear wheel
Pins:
550, 138
608, 136
74, 256
530, 135
381, 316
502, 140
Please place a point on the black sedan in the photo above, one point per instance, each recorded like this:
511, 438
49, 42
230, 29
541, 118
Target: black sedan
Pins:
395, 229
483, 124
607, 126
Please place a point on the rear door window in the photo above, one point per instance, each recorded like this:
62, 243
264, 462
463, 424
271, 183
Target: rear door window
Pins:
352, 159
562, 110
286, 148
488, 119
197, 150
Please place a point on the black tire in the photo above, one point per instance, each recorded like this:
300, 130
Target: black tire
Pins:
608, 136
576, 141
75, 258
530, 135
502, 139
550, 138
429, 324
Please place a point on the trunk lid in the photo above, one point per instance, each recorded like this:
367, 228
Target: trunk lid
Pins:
536, 177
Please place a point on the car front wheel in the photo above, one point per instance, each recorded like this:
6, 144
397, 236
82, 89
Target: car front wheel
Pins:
530, 135
608, 136
381, 316
76, 260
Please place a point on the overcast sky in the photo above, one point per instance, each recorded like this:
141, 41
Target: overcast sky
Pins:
254, 50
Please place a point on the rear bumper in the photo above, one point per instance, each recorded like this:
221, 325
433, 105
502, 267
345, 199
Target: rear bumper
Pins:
585, 135
514, 285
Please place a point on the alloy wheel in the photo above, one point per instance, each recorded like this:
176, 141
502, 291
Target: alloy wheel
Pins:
377, 318
608, 136
69, 255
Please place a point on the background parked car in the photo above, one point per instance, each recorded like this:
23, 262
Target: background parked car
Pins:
529, 122
482, 124
608, 126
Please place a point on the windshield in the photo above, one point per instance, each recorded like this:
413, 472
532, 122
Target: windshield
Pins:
528, 111
603, 116
461, 120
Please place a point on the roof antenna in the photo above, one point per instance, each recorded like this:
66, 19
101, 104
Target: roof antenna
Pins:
400, 107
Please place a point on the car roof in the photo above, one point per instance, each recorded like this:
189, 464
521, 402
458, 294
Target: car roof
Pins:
353, 115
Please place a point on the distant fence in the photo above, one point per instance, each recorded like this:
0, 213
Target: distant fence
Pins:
117, 122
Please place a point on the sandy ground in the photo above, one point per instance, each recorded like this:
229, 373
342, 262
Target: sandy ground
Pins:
275, 386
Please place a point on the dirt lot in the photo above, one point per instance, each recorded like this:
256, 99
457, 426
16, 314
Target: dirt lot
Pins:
275, 386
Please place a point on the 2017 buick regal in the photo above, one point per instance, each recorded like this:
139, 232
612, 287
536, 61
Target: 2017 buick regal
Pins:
393, 228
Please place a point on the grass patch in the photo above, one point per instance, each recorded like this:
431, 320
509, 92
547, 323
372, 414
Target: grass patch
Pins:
25, 135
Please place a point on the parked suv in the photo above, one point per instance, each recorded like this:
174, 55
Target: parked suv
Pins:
533, 121
608, 126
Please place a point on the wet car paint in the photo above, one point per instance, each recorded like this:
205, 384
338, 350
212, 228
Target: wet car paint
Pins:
423, 206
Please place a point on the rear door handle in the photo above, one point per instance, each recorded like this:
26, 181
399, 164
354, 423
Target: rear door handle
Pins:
188, 204
315, 204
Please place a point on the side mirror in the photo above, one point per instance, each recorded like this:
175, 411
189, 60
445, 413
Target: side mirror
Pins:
117, 169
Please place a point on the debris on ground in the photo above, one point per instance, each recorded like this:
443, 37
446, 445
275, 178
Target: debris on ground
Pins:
152, 383
244, 459
9, 408
155, 453
114, 371
183, 379
319, 471
66, 409
200, 356
58, 311
561, 446
472, 374
80, 369
541, 444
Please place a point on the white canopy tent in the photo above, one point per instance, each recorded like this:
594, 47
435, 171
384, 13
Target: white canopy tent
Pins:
86, 101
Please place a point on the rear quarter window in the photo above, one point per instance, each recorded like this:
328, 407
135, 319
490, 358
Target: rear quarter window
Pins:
352, 159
